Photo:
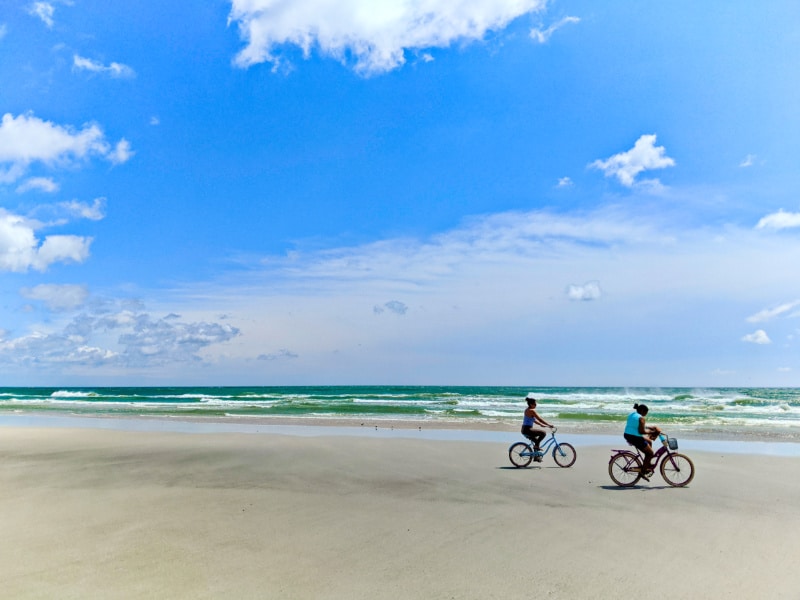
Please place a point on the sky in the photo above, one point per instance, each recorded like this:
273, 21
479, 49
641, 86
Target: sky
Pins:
482, 192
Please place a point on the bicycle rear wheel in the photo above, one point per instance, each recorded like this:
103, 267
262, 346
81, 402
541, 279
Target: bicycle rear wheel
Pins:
677, 469
625, 469
564, 455
520, 454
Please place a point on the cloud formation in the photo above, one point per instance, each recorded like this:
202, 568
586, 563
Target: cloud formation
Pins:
281, 354
57, 297
585, 292
770, 313
626, 166
21, 250
779, 220
115, 69
373, 36
115, 335
40, 184
395, 306
757, 337
26, 139
44, 11
543, 35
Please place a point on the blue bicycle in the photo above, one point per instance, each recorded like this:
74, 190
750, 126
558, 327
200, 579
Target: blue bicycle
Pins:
522, 453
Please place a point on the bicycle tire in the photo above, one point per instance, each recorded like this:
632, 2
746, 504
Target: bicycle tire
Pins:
564, 455
677, 469
621, 469
515, 454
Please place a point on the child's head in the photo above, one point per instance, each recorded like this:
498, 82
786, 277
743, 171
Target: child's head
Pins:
641, 409
531, 400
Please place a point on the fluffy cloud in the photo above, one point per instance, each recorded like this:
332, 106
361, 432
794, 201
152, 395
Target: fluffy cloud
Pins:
20, 250
543, 35
57, 297
644, 156
757, 337
44, 11
375, 36
115, 69
587, 291
779, 220
26, 139
121, 337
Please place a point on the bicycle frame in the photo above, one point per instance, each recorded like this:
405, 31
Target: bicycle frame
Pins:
544, 448
677, 469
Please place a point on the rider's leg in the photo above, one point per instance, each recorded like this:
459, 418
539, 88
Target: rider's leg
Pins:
537, 435
648, 458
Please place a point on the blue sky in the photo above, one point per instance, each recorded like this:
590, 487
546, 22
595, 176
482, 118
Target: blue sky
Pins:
500, 192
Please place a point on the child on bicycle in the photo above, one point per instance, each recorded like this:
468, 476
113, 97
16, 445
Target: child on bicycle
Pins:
531, 418
640, 436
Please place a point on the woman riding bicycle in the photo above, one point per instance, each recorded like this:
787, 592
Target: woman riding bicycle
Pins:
639, 435
531, 418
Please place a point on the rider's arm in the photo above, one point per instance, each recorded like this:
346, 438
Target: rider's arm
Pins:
539, 419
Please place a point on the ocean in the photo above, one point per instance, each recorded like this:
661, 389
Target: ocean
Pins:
774, 412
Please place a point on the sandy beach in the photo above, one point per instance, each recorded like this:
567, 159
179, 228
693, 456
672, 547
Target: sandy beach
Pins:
89, 513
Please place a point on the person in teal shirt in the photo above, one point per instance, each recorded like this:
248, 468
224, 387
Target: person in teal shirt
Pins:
640, 435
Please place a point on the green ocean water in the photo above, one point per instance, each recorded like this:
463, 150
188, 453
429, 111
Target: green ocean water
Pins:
775, 409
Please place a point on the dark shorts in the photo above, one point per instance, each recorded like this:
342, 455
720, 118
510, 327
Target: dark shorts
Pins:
637, 441
534, 435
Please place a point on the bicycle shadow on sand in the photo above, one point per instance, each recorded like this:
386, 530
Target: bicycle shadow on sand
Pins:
640, 487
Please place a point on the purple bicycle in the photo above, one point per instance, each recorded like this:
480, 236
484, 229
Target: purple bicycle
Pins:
625, 466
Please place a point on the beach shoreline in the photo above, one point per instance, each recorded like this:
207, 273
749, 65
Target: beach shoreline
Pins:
454, 429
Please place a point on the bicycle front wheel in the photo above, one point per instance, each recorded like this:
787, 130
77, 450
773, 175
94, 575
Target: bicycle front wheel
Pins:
520, 454
625, 469
677, 469
564, 455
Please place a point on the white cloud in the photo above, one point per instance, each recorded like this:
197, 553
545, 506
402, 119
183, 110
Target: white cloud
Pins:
27, 139
41, 184
373, 35
94, 211
44, 11
114, 69
543, 35
57, 297
748, 161
779, 220
122, 152
155, 121
757, 337
587, 291
564, 182
771, 313
644, 156
20, 250
114, 335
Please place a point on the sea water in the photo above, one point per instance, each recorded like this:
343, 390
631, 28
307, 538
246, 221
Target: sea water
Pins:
770, 411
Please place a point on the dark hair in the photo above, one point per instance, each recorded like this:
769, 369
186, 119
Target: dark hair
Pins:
530, 401
641, 409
